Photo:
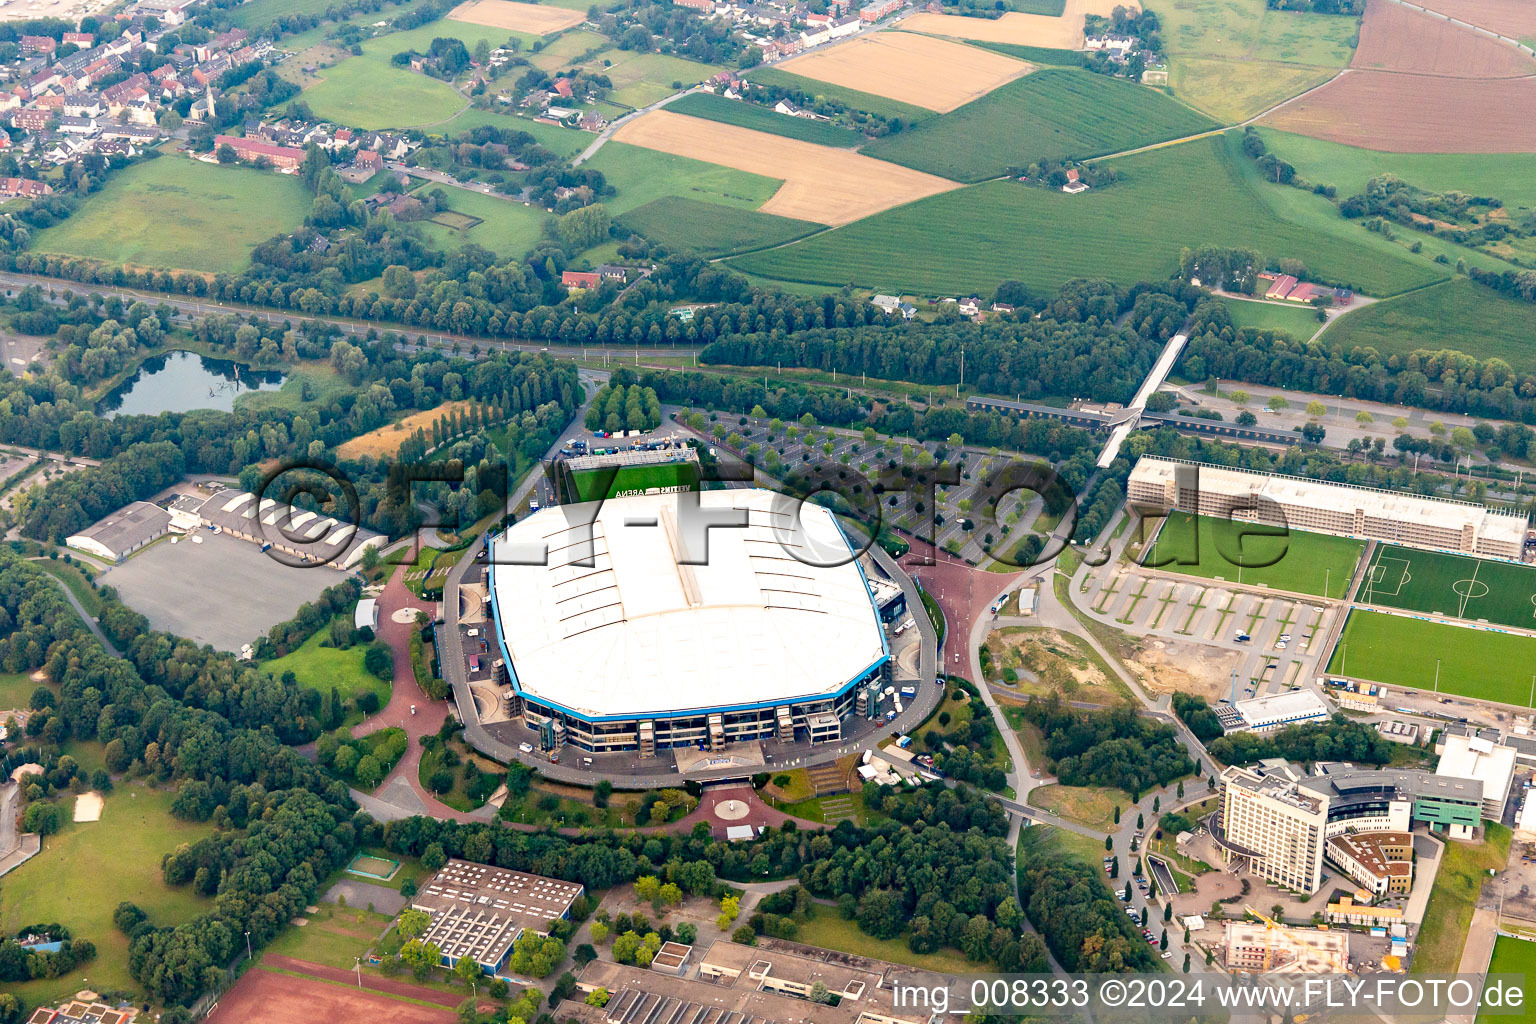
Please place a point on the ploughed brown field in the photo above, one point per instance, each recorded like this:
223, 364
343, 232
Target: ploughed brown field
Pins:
1062, 33
1513, 18
535, 19
273, 998
1398, 38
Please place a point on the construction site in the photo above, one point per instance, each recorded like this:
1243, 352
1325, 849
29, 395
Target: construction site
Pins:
1265, 946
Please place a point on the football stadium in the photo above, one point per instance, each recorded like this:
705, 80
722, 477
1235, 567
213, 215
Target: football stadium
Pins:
651, 621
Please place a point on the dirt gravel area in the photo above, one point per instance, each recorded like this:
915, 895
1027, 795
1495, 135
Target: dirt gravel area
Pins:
1398, 38
1417, 113
926, 72
536, 19
1164, 665
1513, 18
821, 184
286, 999
386, 440
1063, 33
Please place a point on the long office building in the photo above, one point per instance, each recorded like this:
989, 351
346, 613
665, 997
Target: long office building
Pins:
1321, 506
1277, 818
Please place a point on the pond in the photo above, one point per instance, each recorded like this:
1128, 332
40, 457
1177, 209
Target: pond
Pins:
181, 381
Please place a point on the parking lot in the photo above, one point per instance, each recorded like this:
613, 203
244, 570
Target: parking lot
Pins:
223, 592
1277, 654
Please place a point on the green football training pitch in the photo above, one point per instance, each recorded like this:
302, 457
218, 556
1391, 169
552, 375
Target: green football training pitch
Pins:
595, 484
1479, 663
1456, 585
1254, 553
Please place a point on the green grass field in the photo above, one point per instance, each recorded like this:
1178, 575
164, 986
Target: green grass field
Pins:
564, 48
370, 93
635, 480
1300, 322
320, 668
640, 79
1297, 561
1463, 868
1204, 191
1511, 956
1235, 58
763, 119
1505, 175
1478, 663
1444, 584
334, 937
711, 230
85, 870
181, 214
260, 13
504, 226
865, 101
1458, 314
642, 175
1051, 114
16, 692
1046, 55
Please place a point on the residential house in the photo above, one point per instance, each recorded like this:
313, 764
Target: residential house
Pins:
85, 126
581, 279
32, 119
613, 272
706, 6
9, 101
282, 157
368, 160
38, 44
788, 108
1001, 307
80, 39
970, 306
873, 12
886, 303
31, 189
1074, 184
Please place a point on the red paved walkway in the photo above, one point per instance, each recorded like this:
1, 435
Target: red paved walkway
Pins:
963, 591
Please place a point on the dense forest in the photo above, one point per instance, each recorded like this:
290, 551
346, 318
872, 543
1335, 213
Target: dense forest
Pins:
1113, 749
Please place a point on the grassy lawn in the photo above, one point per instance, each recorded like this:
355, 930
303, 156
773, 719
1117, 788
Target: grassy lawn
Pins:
73, 578
640, 79
1347, 168
1458, 314
1236, 58
1055, 113
971, 239
1083, 804
1408, 652
764, 119
182, 214
368, 92
865, 101
566, 47
1254, 553
319, 666
86, 869
260, 13
1463, 866
935, 613
1511, 956
828, 930
642, 175
1446, 584
690, 225
334, 936
505, 226
1300, 322
310, 384
16, 691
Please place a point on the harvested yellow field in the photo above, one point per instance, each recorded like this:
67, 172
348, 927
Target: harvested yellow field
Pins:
920, 70
821, 183
535, 19
1063, 33
387, 439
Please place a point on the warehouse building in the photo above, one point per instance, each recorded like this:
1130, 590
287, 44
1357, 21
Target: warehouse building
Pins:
479, 911
123, 532
305, 537
690, 620
1266, 714
1321, 506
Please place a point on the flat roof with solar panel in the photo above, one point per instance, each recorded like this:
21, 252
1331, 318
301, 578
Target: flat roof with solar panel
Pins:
479, 910
667, 605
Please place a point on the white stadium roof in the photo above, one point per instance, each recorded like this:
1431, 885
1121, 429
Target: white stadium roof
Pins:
775, 610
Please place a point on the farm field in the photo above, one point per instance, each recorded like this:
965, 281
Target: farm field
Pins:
1398, 38
972, 239
504, 226
318, 666
1477, 663
640, 79
1237, 58
1511, 18
1051, 23
64, 884
1418, 113
921, 70
883, 106
536, 19
642, 175
557, 54
821, 184
257, 13
763, 119
1297, 561
180, 213
710, 230
1051, 114
369, 93
1456, 585
1300, 322
1505, 175
1458, 314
